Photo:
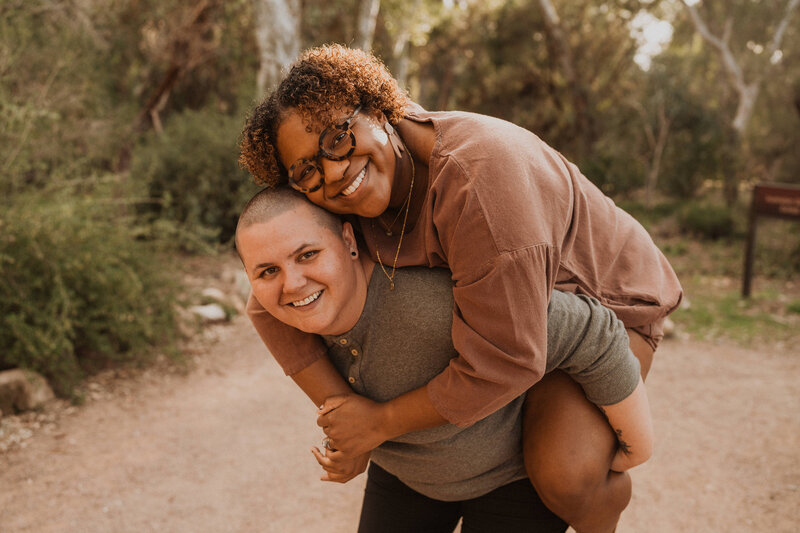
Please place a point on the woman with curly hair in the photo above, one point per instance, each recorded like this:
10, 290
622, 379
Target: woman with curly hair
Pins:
509, 217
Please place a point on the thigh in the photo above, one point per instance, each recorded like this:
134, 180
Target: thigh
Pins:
644, 346
391, 506
567, 442
512, 508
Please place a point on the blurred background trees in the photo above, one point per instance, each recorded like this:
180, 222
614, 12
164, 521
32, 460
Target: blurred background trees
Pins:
122, 117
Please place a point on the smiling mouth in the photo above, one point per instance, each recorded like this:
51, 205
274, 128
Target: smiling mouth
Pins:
305, 301
356, 183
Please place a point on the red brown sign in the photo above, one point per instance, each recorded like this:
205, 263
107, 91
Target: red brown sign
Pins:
772, 200
777, 200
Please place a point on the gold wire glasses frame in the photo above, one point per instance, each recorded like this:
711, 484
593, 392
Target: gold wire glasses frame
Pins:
336, 142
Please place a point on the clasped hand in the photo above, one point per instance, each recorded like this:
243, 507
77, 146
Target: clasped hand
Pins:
352, 423
355, 424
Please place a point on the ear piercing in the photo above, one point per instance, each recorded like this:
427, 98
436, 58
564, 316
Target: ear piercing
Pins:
353, 253
398, 147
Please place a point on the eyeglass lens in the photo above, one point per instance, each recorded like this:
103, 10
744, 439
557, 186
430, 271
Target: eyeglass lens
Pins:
336, 143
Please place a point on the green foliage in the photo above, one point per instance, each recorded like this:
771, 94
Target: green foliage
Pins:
717, 312
707, 221
56, 120
191, 171
77, 292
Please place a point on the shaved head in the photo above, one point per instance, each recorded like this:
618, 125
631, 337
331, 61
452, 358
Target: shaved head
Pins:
271, 202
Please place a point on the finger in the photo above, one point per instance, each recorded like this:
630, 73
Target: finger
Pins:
344, 478
331, 403
324, 421
335, 478
323, 461
331, 461
330, 468
328, 430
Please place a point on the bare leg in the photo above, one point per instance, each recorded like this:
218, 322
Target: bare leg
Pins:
568, 447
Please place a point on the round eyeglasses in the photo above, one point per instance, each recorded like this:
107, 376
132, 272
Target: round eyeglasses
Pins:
336, 142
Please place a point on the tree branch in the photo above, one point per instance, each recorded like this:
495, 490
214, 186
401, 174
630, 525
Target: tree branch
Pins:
720, 44
775, 45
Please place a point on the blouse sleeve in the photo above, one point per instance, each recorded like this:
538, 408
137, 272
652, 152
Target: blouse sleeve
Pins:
500, 334
500, 209
293, 349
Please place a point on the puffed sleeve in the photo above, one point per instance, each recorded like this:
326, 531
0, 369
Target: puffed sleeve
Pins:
500, 333
293, 349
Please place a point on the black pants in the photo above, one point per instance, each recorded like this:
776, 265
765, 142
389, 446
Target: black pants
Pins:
390, 506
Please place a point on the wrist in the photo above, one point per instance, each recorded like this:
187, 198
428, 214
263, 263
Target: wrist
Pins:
389, 420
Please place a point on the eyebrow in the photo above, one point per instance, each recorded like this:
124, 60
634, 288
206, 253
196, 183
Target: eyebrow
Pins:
296, 251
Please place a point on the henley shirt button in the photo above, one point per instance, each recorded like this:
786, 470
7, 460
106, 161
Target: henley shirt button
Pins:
342, 341
354, 352
352, 379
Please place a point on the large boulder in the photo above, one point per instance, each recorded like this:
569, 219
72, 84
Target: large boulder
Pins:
22, 390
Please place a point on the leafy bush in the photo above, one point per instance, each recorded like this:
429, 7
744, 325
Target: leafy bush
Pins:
191, 169
77, 292
707, 220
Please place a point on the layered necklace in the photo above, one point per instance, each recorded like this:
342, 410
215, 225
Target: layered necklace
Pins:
403, 209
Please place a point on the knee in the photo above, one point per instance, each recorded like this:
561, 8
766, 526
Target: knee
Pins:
575, 490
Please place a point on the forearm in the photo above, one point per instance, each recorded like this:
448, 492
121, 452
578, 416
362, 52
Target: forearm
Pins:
412, 411
293, 349
357, 424
630, 419
321, 380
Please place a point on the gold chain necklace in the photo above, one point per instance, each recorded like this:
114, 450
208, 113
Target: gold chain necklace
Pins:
387, 228
407, 204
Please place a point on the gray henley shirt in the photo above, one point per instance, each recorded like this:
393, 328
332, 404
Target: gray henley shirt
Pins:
403, 339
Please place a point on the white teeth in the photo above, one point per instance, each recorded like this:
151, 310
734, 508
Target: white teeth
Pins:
306, 301
353, 186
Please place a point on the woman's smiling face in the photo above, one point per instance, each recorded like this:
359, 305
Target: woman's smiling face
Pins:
360, 184
303, 272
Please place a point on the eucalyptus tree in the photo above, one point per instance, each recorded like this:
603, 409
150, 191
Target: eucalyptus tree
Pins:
748, 38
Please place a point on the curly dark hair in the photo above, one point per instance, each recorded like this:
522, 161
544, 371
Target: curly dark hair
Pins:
320, 83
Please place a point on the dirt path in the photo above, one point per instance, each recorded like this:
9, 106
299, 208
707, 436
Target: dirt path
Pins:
225, 449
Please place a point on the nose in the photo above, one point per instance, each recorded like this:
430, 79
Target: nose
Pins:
293, 281
334, 171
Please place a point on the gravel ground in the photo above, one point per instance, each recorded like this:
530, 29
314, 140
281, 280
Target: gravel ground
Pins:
223, 446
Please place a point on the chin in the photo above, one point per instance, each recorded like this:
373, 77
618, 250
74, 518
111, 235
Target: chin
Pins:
373, 210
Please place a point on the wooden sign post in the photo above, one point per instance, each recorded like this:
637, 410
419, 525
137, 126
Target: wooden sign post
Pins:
771, 200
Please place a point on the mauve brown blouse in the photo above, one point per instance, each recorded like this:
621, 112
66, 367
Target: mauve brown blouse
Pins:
512, 219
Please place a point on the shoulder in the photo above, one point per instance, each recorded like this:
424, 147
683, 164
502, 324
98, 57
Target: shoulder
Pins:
498, 181
467, 136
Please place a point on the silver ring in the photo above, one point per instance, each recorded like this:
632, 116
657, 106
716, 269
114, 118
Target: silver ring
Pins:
326, 443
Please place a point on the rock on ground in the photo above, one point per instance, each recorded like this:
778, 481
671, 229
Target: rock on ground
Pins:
22, 390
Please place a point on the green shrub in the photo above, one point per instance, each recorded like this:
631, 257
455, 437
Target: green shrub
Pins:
707, 221
191, 169
77, 292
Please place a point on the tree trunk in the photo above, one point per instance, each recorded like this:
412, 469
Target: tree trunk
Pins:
367, 18
656, 141
582, 125
400, 48
747, 92
446, 84
278, 37
660, 142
